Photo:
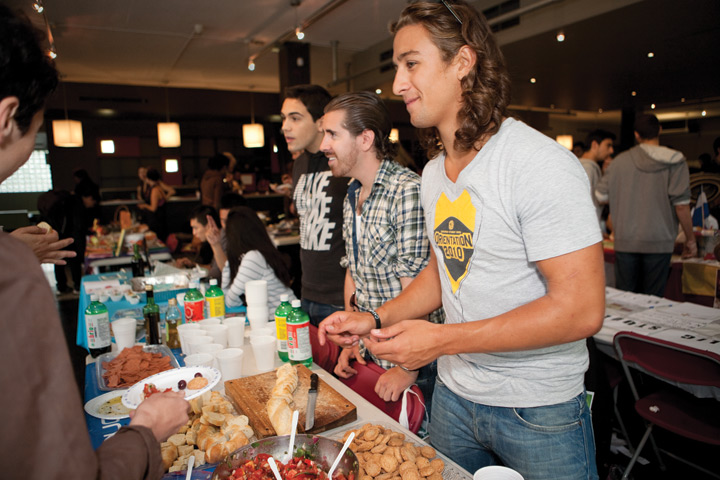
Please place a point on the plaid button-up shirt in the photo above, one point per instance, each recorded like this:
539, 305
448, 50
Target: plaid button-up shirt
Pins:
393, 242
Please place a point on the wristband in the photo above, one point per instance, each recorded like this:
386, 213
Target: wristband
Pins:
378, 325
408, 370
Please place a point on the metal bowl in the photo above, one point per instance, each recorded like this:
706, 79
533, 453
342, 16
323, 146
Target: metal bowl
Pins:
321, 450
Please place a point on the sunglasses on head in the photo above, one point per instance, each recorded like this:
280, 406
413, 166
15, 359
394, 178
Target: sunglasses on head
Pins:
450, 9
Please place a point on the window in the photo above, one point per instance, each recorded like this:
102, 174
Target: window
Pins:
34, 176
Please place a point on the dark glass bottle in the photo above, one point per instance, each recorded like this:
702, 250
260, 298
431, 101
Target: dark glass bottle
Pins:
151, 313
138, 266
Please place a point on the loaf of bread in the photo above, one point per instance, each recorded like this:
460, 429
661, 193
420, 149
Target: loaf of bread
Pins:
281, 397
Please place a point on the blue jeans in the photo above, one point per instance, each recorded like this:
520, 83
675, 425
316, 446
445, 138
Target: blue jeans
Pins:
642, 272
318, 311
549, 443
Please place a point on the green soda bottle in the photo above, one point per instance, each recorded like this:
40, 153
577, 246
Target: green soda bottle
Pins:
215, 299
298, 335
97, 325
281, 315
194, 304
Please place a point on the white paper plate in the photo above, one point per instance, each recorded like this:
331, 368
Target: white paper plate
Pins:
112, 411
169, 379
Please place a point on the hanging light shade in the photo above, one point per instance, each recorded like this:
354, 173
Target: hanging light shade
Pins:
394, 135
67, 133
168, 134
565, 140
253, 135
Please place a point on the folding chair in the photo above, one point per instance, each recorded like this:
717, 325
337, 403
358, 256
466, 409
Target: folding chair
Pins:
324, 355
364, 384
672, 408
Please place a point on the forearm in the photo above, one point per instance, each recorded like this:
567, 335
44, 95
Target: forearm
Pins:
572, 309
683, 214
349, 289
219, 255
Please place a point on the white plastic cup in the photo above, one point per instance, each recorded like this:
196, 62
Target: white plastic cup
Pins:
264, 352
256, 293
180, 299
257, 315
219, 333
210, 321
195, 340
199, 360
236, 331
187, 330
262, 331
212, 349
497, 472
230, 363
124, 332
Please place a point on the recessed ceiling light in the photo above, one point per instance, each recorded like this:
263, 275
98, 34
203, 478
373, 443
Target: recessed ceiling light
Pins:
652, 105
378, 91
633, 93
533, 80
251, 66
703, 113
560, 36
651, 54
682, 100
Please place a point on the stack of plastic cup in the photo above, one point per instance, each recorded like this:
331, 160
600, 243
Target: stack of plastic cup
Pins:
257, 307
187, 330
219, 334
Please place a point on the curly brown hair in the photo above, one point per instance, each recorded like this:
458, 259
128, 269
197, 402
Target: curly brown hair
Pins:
486, 88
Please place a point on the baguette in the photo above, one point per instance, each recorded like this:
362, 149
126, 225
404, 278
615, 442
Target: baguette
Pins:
278, 407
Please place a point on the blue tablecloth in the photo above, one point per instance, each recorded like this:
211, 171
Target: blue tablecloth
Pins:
119, 309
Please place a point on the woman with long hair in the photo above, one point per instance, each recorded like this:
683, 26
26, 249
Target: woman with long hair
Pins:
252, 256
154, 212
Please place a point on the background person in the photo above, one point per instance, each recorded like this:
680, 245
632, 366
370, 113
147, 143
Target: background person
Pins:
318, 200
44, 430
252, 256
516, 261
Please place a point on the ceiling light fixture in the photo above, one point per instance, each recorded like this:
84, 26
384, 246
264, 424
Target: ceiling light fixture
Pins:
299, 33
533, 80
107, 147
651, 54
298, 27
378, 91
633, 93
565, 140
38, 6
253, 133
251, 65
652, 106
560, 37
703, 113
394, 136
168, 132
67, 133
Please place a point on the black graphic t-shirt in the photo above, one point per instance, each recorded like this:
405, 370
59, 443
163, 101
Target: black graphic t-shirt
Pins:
318, 198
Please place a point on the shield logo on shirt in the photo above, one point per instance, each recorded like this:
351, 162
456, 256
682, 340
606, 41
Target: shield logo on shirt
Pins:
453, 235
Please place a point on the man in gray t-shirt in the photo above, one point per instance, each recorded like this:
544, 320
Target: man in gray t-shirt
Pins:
516, 262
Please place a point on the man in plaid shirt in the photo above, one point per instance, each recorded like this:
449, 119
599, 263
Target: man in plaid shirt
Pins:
383, 224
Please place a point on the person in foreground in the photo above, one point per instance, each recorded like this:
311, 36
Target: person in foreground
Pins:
44, 430
385, 239
516, 262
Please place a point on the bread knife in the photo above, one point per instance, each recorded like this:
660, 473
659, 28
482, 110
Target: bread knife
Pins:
312, 398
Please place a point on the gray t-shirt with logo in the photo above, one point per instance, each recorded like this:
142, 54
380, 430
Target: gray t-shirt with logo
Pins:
522, 199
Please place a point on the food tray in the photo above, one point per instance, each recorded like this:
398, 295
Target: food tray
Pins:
106, 357
452, 470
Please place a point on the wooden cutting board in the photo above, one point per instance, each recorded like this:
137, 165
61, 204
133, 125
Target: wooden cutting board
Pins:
251, 395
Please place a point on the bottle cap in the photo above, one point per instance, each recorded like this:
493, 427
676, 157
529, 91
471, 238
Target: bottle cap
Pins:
93, 297
148, 288
213, 281
284, 297
296, 303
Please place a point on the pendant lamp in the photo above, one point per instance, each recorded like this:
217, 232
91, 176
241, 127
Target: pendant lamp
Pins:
253, 133
168, 132
67, 133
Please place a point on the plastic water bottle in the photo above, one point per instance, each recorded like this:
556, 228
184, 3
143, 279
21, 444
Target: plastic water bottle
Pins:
173, 318
281, 315
215, 300
298, 335
151, 313
97, 325
194, 304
